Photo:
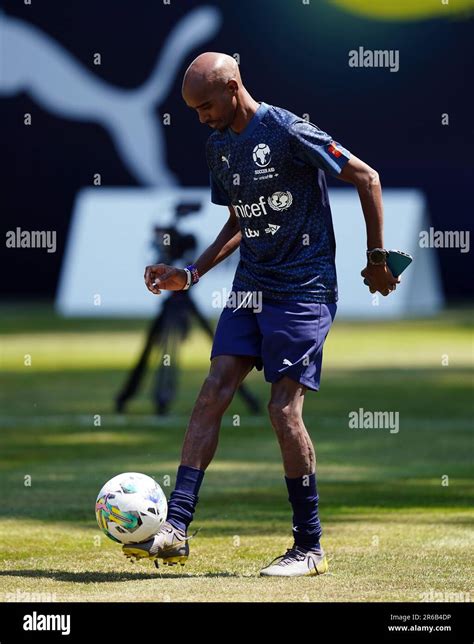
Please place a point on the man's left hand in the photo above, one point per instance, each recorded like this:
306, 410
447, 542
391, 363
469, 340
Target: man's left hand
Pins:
380, 278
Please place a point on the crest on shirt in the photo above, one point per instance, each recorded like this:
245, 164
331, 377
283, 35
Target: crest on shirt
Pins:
280, 200
261, 155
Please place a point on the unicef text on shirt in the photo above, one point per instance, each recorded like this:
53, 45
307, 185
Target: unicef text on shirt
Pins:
250, 210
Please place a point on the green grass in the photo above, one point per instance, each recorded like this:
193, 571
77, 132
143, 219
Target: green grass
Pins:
392, 530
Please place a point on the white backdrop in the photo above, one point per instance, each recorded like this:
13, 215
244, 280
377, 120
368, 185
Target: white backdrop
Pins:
110, 243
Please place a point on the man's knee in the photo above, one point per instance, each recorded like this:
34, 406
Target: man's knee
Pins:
285, 416
216, 393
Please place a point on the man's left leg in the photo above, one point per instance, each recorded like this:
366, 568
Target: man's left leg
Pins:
306, 556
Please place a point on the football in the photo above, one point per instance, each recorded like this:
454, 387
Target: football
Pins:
131, 508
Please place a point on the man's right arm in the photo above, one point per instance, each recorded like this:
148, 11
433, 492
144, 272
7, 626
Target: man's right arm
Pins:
174, 279
226, 242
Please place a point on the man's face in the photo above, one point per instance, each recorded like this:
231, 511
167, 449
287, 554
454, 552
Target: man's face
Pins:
215, 107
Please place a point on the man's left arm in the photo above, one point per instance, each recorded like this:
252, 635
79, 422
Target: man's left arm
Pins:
311, 145
367, 182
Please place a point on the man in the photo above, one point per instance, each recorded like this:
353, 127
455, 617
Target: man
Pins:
267, 165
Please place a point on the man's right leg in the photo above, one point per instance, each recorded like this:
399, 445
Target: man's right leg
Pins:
200, 443
225, 376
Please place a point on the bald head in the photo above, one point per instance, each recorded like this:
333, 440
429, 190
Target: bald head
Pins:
209, 71
213, 87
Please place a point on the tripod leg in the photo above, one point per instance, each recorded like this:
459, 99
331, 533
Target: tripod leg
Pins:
166, 382
252, 401
201, 319
136, 374
174, 332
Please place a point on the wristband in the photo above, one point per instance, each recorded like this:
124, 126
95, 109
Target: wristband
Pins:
188, 279
194, 273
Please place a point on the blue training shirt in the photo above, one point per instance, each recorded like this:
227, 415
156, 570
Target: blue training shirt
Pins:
272, 173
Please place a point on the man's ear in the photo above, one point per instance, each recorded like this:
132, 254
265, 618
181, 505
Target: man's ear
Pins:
233, 87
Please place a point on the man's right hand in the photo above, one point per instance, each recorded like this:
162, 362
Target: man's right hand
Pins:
161, 276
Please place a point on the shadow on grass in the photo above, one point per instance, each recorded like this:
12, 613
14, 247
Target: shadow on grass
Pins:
249, 511
107, 577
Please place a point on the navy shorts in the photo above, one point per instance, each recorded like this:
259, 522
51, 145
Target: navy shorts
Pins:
286, 338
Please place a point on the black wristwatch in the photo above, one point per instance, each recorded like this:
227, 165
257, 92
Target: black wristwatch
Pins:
377, 256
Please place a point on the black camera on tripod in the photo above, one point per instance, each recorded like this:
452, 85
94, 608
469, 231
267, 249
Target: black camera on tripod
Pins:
171, 244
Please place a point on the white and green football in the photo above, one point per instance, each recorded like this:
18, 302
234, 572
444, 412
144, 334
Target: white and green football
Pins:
131, 508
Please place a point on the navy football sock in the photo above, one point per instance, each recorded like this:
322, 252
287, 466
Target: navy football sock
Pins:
183, 500
304, 499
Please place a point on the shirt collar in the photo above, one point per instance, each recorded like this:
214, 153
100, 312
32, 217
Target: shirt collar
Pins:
251, 125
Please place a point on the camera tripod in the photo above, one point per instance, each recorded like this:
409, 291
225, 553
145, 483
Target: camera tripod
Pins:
168, 331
